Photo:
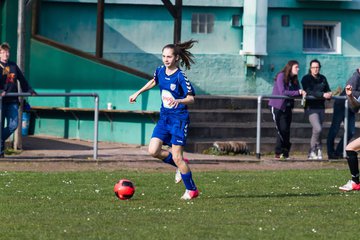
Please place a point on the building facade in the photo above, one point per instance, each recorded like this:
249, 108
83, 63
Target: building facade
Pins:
242, 45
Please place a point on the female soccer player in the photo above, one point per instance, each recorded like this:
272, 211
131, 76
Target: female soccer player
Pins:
352, 148
176, 93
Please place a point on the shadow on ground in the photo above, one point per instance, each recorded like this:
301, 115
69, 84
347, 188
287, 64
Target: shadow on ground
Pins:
37, 143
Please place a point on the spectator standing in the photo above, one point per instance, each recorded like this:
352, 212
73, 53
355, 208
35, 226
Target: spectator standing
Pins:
338, 118
10, 74
286, 84
316, 85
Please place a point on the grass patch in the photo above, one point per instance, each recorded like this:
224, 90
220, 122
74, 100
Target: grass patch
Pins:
288, 204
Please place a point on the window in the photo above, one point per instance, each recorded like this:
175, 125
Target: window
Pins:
202, 23
321, 37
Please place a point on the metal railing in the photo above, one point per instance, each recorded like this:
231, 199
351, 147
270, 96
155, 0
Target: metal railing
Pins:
258, 121
96, 110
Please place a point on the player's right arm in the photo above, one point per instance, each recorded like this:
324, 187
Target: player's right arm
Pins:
149, 85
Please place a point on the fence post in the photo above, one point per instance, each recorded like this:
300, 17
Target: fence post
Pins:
346, 126
96, 127
258, 127
1, 123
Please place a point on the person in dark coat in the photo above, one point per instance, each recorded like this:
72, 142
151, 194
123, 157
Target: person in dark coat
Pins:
10, 74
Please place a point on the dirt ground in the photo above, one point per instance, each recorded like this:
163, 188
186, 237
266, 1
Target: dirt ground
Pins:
50, 154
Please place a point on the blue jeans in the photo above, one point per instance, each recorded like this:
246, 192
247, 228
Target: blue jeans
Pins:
338, 118
10, 113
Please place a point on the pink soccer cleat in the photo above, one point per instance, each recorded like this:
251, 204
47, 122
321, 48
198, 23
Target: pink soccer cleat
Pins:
190, 194
350, 186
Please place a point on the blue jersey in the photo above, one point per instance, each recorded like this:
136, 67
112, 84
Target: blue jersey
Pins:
174, 86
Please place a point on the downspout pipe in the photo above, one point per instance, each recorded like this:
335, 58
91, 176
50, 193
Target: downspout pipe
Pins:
255, 31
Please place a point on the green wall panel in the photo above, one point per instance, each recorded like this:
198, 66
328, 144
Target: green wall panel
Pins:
113, 127
67, 73
8, 25
134, 39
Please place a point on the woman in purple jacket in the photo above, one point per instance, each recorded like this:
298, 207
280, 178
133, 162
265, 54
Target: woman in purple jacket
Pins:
286, 84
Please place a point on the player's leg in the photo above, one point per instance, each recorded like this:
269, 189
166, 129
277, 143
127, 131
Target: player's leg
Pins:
169, 160
352, 159
155, 148
178, 177
178, 159
186, 174
179, 130
161, 135
156, 151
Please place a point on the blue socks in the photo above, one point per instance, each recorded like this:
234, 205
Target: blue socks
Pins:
187, 177
188, 181
169, 160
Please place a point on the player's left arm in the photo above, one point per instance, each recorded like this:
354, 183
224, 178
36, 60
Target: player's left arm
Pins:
189, 99
188, 91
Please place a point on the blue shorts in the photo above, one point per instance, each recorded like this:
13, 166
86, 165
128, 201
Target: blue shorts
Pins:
171, 131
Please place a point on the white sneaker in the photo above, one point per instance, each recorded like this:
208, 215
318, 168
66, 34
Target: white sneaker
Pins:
178, 174
350, 186
312, 156
319, 154
190, 194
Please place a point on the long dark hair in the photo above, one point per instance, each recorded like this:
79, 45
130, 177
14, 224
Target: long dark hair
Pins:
181, 50
287, 73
